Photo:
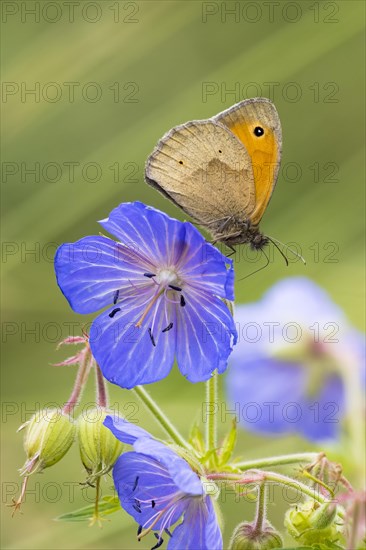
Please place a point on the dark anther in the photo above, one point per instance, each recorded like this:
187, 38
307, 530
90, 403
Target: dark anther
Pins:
175, 287
149, 275
114, 311
137, 506
167, 328
159, 543
182, 300
153, 504
135, 484
139, 530
168, 532
152, 338
115, 297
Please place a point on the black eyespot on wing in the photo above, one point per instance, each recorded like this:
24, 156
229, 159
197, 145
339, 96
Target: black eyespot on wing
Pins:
180, 162
258, 131
220, 151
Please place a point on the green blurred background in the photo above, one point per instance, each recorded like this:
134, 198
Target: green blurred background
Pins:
136, 69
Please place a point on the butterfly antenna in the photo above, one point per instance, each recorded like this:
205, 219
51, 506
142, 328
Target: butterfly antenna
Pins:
259, 269
276, 243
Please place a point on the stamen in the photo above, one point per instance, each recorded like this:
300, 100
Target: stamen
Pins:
173, 287
159, 543
153, 504
151, 337
114, 311
182, 301
135, 484
115, 297
139, 529
149, 275
137, 506
168, 532
150, 305
170, 326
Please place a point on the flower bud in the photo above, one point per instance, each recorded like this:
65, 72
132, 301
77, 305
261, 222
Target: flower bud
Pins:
99, 449
312, 522
247, 537
49, 435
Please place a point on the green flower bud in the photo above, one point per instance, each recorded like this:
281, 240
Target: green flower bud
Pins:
247, 537
312, 522
99, 449
49, 435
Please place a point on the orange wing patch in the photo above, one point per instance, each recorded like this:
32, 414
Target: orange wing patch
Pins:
263, 151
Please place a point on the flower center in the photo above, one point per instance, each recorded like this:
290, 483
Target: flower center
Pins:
165, 277
165, 280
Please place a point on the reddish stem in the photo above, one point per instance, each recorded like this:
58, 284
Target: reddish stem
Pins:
102, 394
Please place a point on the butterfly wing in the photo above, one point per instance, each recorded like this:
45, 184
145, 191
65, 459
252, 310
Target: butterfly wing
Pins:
204, 169
264, 150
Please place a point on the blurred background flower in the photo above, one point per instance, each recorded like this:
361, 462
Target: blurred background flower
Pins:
298, 365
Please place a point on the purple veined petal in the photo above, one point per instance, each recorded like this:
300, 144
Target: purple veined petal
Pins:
206, 334
90, 271
199, 529
152, 233
181, 473
203, 266
126, 354
147, 492
123, 430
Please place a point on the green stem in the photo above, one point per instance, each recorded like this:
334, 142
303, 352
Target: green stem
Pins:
160, 417
298, 486
282, 460
260, 518
211, 404
260, 477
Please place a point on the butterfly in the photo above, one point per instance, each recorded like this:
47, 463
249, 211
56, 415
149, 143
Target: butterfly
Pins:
222, 171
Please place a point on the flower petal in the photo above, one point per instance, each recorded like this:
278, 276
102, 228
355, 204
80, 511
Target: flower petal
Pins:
169, 242
279, 403
123, 430
206, 334
181, 473
126, 353
151, 232
90, 271
199, 529
145, 489
203, 266
184, 478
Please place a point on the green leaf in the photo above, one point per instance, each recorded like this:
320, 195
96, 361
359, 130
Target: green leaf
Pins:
197, 439
228, 446
107, 505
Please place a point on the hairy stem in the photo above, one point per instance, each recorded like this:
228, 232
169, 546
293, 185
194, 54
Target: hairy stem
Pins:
260, 518
80, 380
102, 394
212, 410
160, 417
282, 460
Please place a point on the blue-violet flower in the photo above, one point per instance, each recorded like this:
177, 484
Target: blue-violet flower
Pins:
164, 285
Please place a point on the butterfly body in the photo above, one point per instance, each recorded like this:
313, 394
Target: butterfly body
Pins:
222, 171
